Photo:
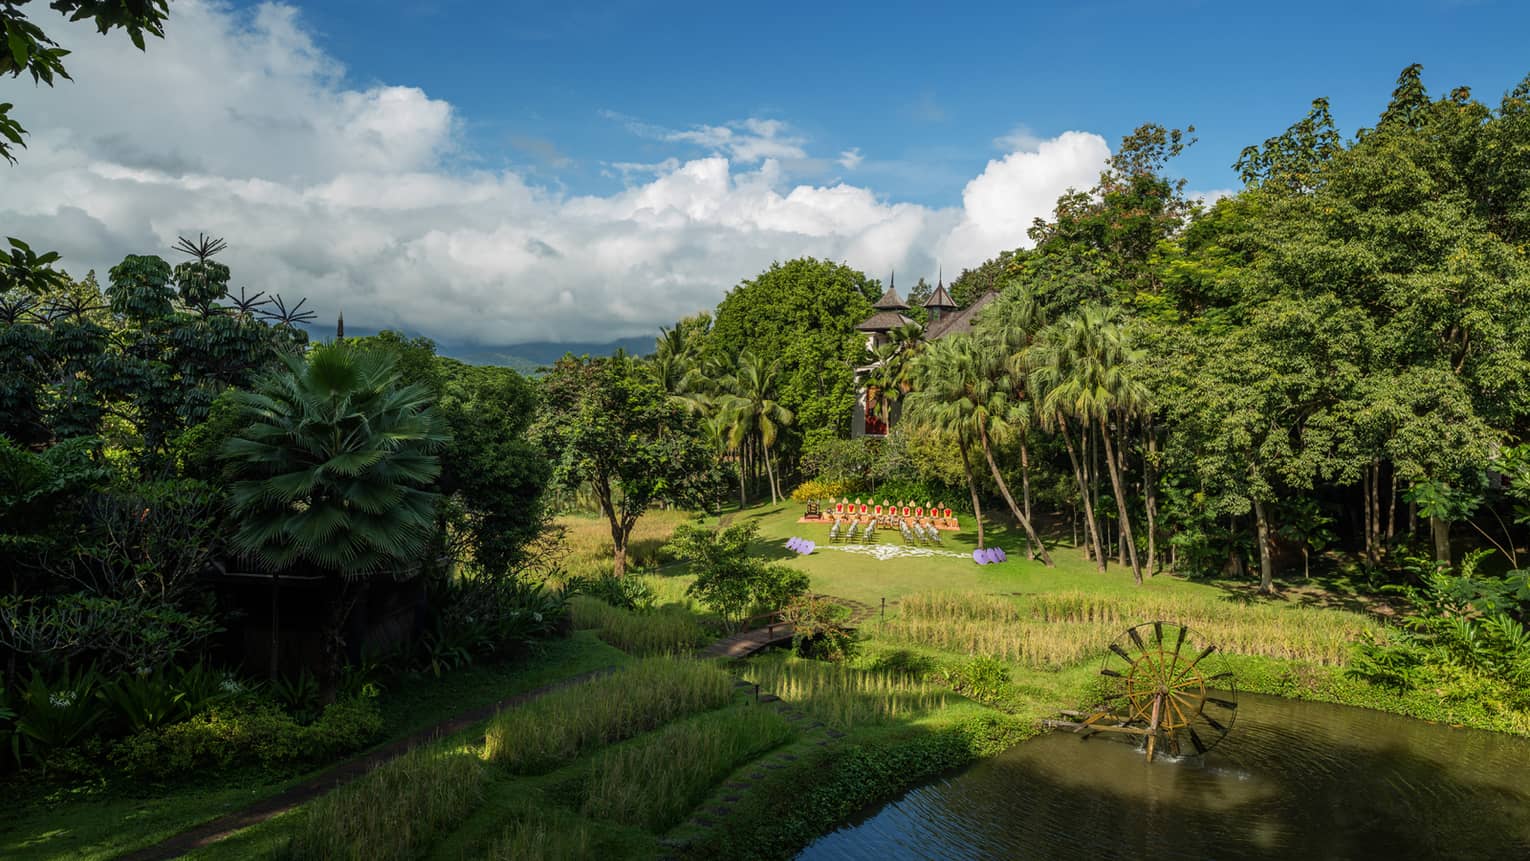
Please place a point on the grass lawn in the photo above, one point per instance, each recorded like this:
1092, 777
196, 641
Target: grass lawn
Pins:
115, 819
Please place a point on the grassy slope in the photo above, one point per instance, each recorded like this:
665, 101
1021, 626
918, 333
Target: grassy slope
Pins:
124, 819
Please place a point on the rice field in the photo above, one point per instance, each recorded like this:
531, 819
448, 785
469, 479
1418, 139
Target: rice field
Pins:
557, 728
654, 781
1052, 630
537, 834
393, 811
587, 546
663, 631
844, 696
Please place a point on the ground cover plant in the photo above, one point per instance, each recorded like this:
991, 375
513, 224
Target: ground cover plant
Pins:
846, 696
659, 631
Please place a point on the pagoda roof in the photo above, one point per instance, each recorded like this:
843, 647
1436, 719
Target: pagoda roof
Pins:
940, 299
891, 301
883, 321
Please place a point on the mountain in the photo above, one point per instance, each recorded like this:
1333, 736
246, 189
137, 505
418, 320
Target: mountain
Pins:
530, 356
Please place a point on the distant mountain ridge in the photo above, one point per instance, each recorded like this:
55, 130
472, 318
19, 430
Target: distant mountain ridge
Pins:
530, 356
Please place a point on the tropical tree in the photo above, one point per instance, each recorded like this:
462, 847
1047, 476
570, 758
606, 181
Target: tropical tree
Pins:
606, 423
330, 476
751, 411
1083, 365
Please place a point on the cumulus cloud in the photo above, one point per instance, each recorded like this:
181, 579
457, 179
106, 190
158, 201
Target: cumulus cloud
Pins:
238, 124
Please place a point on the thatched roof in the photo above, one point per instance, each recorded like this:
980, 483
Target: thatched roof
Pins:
962, 320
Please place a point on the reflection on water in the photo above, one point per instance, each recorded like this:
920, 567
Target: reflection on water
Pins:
1293, 780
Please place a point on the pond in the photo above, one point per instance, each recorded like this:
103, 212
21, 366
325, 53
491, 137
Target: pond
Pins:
1292, 780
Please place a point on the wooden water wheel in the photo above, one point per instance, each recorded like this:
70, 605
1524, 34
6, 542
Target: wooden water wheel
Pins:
1166, 684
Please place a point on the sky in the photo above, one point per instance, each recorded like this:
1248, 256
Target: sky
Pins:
496, 173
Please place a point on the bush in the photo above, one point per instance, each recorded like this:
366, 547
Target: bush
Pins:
564, 724
822, 488
820, 629
393, 811
628, 593
922, 492
728, 579
981, 679
486, 615
248, 734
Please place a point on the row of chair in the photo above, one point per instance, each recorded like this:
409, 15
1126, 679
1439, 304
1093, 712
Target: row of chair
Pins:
848, 531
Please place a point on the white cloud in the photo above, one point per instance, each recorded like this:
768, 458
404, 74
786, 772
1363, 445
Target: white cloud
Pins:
850, 159
1000, 204
238, 125
1210, 197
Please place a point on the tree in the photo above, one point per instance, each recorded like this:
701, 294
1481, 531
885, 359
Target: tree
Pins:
751, 411
728, 579
607, 423
331, 475
27, 49
804, 313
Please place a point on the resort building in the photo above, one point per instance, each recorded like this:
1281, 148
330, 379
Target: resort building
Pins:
945, 318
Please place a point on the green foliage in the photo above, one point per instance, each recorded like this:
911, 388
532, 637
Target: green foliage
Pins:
562, 725
39, 497
838, 462
118, 633
803, 312
983, 679
607, 424
820, 489
728, 579
60, 711
248, 734
333, 464
499, 616
820, 628
151, 699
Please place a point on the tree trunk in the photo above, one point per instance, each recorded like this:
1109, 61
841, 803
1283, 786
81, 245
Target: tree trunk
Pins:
334, 640
1150, 497
770, 475
1025, 492
1375, 505
1014, 509
276, 623
1413, 518
1127, 543
1266, 565
1118, 460
738, 460
1306, 569
977, 509
619, 542
1365, 510
1090, 527
1441, 529
1392, 509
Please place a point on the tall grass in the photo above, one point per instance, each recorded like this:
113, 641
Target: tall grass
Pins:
562, 725
655, 781
540, 835
845, 696
667, 630
394, 810
1057, 629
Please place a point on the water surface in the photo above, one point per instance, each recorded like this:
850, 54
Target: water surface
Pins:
1292, 780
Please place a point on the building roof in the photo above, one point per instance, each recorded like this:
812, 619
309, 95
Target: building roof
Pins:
940, 299
891, 301
962, 320
883, 321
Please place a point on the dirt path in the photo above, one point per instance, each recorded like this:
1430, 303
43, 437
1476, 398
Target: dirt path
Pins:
339, 775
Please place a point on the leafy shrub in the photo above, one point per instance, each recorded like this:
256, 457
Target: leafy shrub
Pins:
60, 711
120, 634
982, 679
820, 629
728, 579
630, 593
816, 489
299, 695
561, 725
922, 492
903, 662
664, 631
394, 810
256, 733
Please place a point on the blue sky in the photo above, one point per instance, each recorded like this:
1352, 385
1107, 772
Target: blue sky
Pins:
921, 91
501, 173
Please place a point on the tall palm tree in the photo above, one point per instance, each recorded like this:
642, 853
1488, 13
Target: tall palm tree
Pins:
1011, 324
1083, 363
330, 474
752, 411
963, 389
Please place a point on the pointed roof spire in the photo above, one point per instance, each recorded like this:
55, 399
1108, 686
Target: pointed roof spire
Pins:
940, 299
340, 326
891, 301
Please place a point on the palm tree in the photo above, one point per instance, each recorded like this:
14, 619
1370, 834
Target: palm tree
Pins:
752, 412
1011, 323
1083, 364
330, 474
962, 388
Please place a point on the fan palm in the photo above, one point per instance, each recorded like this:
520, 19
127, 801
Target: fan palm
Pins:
330, 473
